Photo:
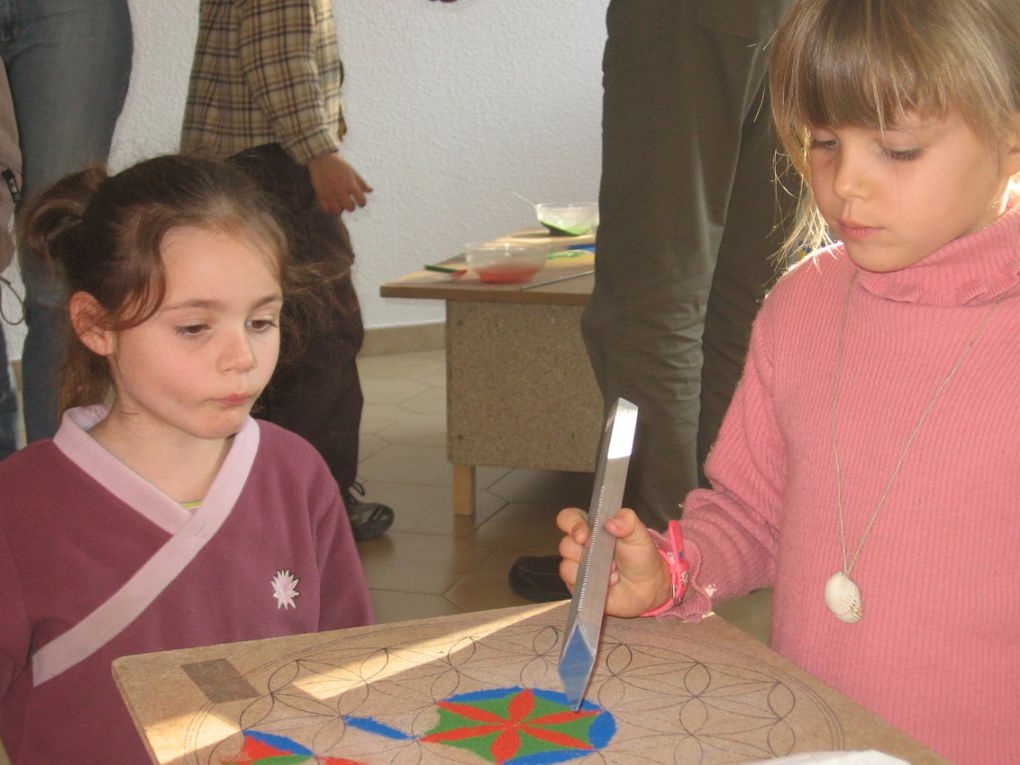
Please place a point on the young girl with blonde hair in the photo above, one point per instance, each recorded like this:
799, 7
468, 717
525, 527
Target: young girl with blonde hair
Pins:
161, 515
869, 466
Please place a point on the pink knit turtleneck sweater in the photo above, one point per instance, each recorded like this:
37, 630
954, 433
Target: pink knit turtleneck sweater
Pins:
937, 652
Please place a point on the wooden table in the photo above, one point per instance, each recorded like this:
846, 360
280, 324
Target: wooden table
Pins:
520, 390
663, 692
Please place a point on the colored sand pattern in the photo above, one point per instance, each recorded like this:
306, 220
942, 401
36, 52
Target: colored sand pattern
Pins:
520, 726
517, 726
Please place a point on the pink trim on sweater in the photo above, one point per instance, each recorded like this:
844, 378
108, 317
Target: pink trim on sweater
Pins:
130, 488
125, 605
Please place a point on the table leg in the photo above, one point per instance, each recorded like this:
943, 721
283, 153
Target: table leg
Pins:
463, 489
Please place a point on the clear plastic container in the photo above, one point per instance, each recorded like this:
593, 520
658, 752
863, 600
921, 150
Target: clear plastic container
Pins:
505, 262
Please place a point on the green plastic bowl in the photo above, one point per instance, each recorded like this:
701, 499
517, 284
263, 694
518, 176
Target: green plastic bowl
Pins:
574, 219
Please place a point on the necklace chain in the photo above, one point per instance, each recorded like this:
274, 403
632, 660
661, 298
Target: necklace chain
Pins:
848, 564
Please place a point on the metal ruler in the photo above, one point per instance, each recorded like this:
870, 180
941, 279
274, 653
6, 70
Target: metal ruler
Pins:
587, 609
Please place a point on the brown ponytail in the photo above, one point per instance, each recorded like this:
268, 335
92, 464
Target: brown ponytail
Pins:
49, 225
50, 228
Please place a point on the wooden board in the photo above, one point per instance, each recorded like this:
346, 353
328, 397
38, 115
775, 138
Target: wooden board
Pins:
671, 692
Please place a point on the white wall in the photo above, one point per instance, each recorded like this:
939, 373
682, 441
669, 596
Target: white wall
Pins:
452, 107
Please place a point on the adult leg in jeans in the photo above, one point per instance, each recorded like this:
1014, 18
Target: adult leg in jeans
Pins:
68, 62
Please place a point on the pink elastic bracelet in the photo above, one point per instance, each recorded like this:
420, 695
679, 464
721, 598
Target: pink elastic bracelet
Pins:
677, 562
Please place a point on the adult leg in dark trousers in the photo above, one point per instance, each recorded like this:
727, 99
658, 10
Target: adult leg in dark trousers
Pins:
316, 391
688, 229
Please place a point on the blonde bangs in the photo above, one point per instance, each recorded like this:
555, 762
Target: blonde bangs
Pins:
869, 63
860, 63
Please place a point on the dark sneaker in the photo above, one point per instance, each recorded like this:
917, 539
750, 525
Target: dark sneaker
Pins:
368, 519
537, 577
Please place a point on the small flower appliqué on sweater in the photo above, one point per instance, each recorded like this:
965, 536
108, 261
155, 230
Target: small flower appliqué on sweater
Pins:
285, 589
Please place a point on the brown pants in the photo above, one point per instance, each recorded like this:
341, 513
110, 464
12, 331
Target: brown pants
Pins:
316, 391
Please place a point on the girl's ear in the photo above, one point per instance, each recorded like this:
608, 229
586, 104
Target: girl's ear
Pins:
1013, 148
87, 322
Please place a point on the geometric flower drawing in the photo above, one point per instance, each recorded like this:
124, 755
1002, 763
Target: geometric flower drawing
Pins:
478, 695
516, 726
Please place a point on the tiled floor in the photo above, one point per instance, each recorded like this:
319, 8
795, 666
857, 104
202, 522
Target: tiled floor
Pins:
431, 562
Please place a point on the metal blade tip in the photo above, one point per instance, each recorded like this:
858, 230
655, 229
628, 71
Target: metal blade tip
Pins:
576, 665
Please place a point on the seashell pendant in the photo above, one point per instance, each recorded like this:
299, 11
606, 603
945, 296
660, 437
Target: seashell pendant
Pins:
843, 598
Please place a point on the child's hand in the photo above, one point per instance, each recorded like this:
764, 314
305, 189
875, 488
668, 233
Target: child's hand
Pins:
640, 578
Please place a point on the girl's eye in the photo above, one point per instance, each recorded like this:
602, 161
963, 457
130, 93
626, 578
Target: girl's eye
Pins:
901, 155
191, 330
261, 325
822, 144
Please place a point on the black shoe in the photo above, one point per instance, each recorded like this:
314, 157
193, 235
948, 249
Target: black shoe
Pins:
368, 519
537, 577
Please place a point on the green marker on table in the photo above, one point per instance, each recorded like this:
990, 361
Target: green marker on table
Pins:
452, 271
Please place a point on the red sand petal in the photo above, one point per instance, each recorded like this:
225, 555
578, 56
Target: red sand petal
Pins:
255, 750
522, 705
506, 746
555, 737
559, 718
